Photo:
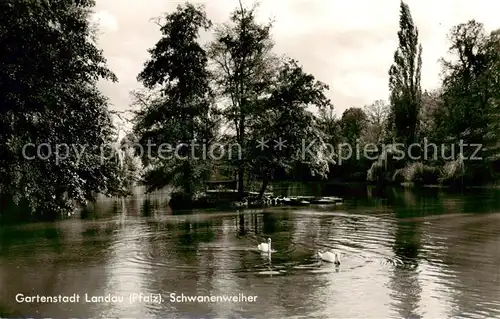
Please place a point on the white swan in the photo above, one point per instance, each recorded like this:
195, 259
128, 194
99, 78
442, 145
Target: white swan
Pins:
330, 257
265, 247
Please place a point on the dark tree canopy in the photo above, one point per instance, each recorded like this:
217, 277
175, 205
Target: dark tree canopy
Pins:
353, 123
49, 70
182, 109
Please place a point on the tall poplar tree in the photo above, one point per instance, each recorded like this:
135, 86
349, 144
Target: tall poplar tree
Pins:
404, 81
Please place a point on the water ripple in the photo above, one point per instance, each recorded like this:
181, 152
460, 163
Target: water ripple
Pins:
424, 266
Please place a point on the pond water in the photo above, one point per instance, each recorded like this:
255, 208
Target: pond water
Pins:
405, 254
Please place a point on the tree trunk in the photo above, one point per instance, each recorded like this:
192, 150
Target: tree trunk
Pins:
241, 186
241, 218
187, 181
241, 164
263, 188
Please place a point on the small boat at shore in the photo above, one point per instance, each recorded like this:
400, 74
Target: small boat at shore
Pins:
327, 200
298, 202
302, 200
319, 200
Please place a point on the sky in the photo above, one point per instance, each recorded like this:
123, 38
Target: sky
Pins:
349, 45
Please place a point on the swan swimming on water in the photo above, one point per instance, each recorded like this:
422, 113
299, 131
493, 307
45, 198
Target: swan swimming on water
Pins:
330, 257
265, 247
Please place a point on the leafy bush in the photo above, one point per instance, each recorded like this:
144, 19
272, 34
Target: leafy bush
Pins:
453, 172
418, 173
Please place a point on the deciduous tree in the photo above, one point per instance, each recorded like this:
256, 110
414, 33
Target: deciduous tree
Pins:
180, 112
49, 70
244, 65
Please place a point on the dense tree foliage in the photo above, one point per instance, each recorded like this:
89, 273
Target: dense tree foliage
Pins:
180, 109
243, 68
261, 97
353, 123
49, 70
283, 121
471, 97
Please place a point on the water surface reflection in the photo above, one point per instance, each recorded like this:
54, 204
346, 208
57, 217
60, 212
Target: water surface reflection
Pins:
405, 254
